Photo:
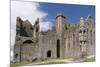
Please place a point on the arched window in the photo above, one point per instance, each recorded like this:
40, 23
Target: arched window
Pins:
84, 41
84, 31
27, 41
80, 41
16, 55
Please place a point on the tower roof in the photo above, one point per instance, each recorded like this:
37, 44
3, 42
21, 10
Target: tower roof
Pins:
60, 15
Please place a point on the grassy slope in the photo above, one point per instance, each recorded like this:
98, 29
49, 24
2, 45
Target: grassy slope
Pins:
89, 60
54, 61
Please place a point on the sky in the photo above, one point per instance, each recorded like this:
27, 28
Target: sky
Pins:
46, 13
72, 12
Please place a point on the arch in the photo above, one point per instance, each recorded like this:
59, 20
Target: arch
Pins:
84, 31
28, 41
84, 41
16, 55
48, 53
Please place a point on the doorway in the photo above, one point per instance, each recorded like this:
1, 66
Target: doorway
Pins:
58, 48
49, 53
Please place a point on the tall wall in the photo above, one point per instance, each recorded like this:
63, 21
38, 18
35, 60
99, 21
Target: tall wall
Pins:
47, 42
71, 38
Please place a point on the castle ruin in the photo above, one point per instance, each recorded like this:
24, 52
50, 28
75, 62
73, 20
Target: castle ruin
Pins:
64, 40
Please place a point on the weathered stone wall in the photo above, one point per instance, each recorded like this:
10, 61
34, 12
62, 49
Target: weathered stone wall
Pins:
91, 36
29, 52
65, 40
47, 42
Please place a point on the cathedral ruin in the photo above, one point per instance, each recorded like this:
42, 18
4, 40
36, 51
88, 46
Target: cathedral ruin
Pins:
64, 40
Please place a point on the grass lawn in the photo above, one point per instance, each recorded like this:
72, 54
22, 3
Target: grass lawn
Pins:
88, 60
52, 61
19, 64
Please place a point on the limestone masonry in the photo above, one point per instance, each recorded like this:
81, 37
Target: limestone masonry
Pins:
64, 40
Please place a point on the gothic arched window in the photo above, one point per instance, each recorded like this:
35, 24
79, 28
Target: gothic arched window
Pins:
84, 41
84, 31
80, 41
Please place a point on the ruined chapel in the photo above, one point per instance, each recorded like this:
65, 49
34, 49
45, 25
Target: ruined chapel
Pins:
64, 40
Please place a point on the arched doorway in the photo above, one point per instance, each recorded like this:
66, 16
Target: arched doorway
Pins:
28, 41
58, 48
49, 53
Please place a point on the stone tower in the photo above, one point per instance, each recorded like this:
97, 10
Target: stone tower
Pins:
60, 19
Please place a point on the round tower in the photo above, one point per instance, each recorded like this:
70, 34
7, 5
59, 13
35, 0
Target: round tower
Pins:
60, 19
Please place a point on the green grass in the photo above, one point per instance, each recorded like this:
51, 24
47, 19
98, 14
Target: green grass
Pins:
19, 64
50, 61
89, 60
39, 63
53, 63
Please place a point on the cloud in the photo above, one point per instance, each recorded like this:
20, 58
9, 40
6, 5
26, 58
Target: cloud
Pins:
27, 11
48, 25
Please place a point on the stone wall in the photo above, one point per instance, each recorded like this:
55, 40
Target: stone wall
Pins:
65, 40
47, 42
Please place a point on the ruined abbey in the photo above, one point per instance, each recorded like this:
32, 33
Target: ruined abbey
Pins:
64, 40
